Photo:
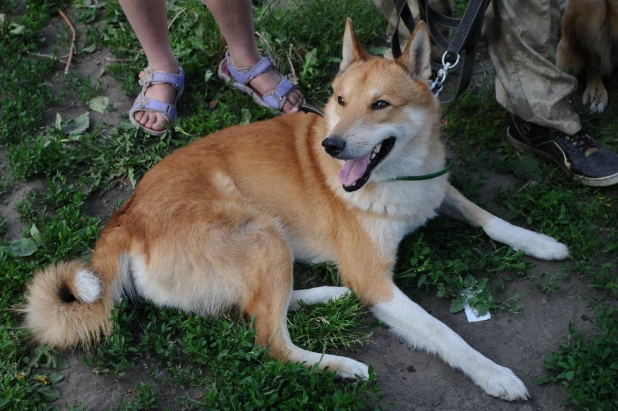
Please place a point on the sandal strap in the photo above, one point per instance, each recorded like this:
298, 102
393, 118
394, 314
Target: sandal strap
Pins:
154, 77
245, 75
276, 98
149, 104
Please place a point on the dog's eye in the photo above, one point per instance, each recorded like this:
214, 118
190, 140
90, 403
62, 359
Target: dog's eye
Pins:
379, 105
340, 101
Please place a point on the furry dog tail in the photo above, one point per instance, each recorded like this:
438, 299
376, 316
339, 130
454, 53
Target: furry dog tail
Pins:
71, 303
67, 304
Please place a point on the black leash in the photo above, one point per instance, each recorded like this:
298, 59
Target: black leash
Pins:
308, 108
461, 47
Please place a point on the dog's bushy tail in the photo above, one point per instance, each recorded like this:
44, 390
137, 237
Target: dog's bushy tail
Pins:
69, 303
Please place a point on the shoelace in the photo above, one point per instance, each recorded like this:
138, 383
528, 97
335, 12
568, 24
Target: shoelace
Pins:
581, 142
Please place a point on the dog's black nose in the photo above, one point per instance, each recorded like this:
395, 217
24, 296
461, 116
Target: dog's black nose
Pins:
333, 145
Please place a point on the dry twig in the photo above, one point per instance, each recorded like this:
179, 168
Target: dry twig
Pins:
48, 56
106, 59
175, 17
270, 50
290, 62
73, 35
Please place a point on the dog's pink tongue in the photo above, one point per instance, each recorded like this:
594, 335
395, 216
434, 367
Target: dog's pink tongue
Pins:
352, 170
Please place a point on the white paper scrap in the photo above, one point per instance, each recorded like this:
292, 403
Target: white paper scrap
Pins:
471, 313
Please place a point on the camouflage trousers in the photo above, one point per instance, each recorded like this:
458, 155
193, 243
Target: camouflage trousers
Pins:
522, 37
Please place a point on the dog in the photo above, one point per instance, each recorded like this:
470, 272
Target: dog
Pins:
218, 224
589, 45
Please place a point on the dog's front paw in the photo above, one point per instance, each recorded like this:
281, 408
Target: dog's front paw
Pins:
504, 384
349, 369
596, 95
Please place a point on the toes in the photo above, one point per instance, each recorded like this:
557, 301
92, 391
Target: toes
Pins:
351, 370
147, 120
289, 108
159, 124
598, 106
595, 98
294, 99
152, 119
503, 383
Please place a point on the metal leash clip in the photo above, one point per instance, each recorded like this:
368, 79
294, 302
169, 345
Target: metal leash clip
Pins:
438, 84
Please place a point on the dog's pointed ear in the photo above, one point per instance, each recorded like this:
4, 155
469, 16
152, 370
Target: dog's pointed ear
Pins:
417, 53
352, 49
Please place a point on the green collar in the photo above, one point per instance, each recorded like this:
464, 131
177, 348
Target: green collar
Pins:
445, 170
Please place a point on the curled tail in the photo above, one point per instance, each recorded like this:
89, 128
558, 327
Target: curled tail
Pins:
68, 303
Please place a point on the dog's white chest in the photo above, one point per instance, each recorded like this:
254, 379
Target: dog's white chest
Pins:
401, 208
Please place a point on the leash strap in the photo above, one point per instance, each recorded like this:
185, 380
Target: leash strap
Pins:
308, 108
467, 32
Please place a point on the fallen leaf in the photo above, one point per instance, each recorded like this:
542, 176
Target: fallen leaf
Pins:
77, 125
98, 103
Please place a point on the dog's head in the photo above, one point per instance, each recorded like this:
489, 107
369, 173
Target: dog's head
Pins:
382, 115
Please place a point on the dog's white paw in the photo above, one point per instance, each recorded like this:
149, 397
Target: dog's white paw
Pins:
596, 95
503, 383
348, 369
545, 247
534, 244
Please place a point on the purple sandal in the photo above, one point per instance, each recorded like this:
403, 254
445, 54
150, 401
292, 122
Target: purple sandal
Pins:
240, 79
143, 103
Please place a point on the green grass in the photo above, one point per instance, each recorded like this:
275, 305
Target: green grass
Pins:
588, 368
145, 398
78, 160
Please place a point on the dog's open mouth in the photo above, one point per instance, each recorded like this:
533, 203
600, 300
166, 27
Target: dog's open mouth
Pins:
355, 173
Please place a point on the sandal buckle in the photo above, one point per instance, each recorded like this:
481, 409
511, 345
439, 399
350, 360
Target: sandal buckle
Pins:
147, 78
142, 102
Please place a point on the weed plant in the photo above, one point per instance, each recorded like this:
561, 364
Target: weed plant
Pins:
588, 368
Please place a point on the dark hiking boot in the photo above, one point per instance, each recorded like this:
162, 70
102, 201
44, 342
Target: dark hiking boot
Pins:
587, 160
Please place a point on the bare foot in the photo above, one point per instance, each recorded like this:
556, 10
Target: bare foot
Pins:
162, 92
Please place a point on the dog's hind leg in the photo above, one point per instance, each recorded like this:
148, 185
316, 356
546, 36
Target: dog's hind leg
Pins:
268, 302
316, 295
534, 244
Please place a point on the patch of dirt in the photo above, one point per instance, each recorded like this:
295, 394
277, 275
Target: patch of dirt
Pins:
415, 380
10, 201
93, 66
104, 391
